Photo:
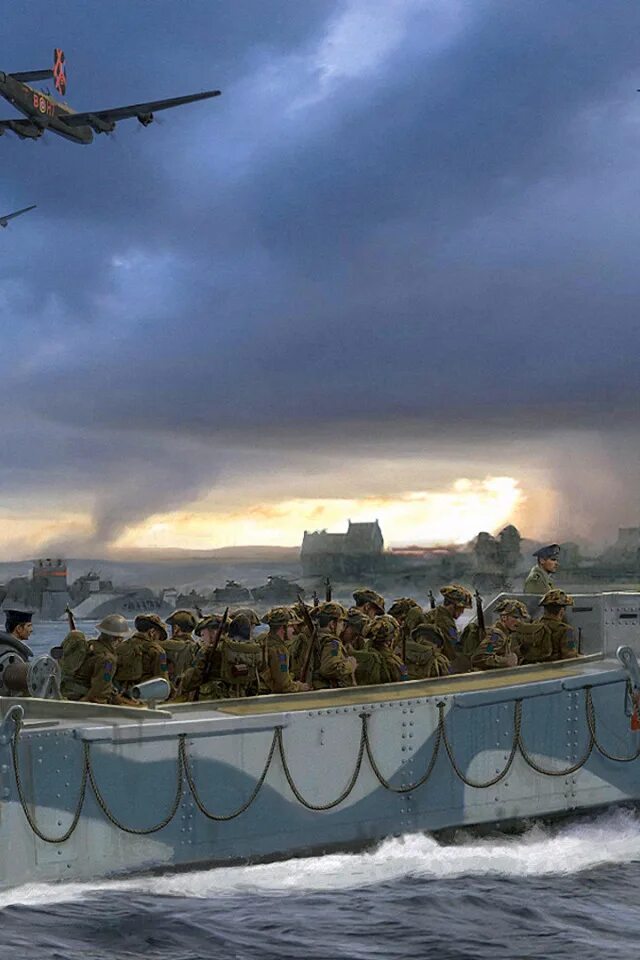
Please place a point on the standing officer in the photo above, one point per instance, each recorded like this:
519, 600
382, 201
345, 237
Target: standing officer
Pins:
539, 578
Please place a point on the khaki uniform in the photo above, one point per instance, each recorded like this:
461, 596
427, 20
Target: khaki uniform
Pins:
181, 650
445, 625
494, 649
538, 581
379, 666
192, 678
334, 669
233, 671
562, 638
140, 659
277, 674
93, 679
532, 642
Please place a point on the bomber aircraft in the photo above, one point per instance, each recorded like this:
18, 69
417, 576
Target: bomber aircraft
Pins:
44, 112
4, 221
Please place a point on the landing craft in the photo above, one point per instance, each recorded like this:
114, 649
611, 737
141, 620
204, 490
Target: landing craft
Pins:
4, 221
44, 112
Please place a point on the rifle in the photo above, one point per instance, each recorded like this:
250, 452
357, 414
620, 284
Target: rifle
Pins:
327, 589
480, 616
432, 600
208, 660
70, 617
311, 627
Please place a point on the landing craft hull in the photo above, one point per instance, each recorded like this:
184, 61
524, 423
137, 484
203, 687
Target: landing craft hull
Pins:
91, 792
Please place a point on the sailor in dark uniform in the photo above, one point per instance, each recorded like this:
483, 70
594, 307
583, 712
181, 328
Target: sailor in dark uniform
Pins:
18, 629
13, 641
539, 578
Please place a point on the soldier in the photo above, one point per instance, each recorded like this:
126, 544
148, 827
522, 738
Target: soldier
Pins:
368, 601
408, 613
378, 663
443, 617
424, 657
141, 656
498, 648
94, 671
563, 640
336, 668
539, 577
356, 625
204, 661
180, 647
241, 658
276, 675
248, 612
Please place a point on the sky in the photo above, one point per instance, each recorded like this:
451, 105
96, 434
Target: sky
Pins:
390, 273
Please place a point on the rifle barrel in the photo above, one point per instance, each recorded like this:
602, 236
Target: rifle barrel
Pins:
208, 661
70, 617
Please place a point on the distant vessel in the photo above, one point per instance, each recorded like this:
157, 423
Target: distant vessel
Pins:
46, 591
88, 791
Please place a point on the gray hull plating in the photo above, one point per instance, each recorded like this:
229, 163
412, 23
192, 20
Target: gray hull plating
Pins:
89, 791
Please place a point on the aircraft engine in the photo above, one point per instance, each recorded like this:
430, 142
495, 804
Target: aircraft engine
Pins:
98, 125
26, 132
145, 119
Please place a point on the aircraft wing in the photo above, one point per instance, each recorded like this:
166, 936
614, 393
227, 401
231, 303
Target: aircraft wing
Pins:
135, 110
25, 76
16, 125
16, 213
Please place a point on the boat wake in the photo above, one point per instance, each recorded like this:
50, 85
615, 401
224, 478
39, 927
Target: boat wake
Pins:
611, 838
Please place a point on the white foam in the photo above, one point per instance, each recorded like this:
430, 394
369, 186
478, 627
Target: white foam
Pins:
610, 839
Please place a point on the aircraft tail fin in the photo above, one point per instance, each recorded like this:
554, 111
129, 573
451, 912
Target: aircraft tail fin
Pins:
26, 75
59, 72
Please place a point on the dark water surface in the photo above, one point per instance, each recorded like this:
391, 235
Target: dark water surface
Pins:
573, 891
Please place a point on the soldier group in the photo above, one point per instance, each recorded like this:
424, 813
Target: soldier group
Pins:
299, 648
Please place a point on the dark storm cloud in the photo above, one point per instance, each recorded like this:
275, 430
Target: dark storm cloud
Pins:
445, 242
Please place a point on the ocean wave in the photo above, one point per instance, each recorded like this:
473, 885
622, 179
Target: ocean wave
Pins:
611, 838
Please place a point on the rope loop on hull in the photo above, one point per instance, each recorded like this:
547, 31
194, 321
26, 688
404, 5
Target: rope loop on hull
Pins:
225, 817
184, 772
